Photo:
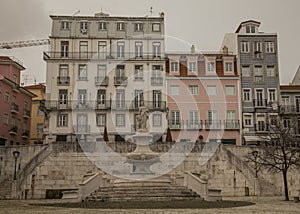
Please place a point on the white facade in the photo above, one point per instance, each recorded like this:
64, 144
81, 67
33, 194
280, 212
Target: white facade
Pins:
100, 69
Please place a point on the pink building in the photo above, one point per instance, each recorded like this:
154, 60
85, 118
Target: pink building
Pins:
203, 97
15, 104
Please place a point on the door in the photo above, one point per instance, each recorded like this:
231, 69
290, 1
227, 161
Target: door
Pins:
156, 50
175, 119
120, 99
64, 47
83, 49
102, 50
259, 97
101, 99
63, 98
138, 98
82, 123
156, 99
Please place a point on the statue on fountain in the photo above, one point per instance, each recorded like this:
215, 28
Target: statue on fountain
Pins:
142, 119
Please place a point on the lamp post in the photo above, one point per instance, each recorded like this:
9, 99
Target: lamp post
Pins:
16, 155
255, 155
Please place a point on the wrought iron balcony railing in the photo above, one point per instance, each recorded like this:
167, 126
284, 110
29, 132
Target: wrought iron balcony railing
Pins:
25, 134
63, 80
14, 108
13, 130
120, 81
101, 81
26, 113
157, 81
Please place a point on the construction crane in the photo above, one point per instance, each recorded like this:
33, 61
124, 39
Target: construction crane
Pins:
22, 44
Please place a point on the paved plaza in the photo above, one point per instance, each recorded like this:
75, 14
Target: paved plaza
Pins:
262, 205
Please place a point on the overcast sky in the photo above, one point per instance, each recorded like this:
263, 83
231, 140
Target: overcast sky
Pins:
199, 22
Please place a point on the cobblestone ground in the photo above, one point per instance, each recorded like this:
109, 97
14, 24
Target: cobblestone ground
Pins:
263, 205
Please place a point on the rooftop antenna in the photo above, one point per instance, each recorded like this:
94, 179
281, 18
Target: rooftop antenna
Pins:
151, 11
78, 11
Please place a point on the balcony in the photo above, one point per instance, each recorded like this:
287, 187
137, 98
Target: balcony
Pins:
16, 88
25, 134
212, 124
290, 109
157, 81
128, 56
13, 130
14, 108
81, 105
176, 124
101, 81
231, 124
120, 81
261, 127
260, 103
58, 104
63, 80
82, 129
26, 113
194, 125
102, 104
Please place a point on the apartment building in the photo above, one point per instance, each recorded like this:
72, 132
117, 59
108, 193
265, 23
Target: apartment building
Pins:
37, 116
100, 70
257, 62
15, 104
203, 97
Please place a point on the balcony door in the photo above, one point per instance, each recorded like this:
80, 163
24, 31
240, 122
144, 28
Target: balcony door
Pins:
83, 49
259, 97
82, 123
102, 50
63, 98
64, 48
101, 98
138, 98
156, 99
120, 99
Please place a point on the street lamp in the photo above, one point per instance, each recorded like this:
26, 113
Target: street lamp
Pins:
255, 155
16, 155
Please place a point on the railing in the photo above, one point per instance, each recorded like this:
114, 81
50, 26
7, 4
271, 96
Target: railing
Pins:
103, 56
261, 127
32, 164
61, 80
89, 186
194, 124
157, 81
290, 109
260, 103
13, 130
176, 124
58, 104
101, 81
120, 81
231, 124
14, 108
82, 129
26, 113
196, 184
25, 134
212, 124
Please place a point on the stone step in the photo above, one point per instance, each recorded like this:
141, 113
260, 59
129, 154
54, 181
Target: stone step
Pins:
139, 193
155, 198
144, 188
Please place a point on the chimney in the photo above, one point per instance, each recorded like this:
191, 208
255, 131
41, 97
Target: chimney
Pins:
225, 50
193, 49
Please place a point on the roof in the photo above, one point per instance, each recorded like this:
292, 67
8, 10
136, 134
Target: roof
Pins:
290, 87
246, 22
107, 17
12, 60
38, 86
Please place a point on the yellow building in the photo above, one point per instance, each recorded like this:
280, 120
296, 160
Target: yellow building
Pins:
37, 116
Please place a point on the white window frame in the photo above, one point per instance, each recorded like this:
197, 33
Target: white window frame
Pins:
192, 66
6, 118
250, 95
138, 73
245, 47
270, 47
194, 89
211, 67
258, 47
62, 120
101, 119
120, 120
244, 120
269, 95
174, 90
246, 69
208, 91
65, 25
138, 27
84, 26
227, 88
229, 67
174, 66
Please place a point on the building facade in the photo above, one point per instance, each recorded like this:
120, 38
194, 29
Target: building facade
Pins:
15, 104
203, 97
257, 57
100, 70
37, 116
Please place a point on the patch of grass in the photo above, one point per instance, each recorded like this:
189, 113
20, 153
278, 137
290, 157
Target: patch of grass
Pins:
151, 205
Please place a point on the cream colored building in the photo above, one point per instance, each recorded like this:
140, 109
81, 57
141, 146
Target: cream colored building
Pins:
100, 69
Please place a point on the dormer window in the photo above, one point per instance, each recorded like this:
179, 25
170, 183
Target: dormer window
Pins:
210, 67
83, 27
228, 66
250, 29
192, 66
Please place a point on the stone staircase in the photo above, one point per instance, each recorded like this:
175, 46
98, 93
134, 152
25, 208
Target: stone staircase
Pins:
143, 191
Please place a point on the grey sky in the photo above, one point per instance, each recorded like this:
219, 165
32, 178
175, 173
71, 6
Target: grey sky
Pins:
199, 22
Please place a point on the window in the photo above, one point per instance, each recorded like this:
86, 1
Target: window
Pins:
286, 122
83, 27
120, 119
138, 72
272, 95
101, 119
102, 26
156, 49
63, 96
271, 71
102, 50
82, 72
138, 26
156, 97
138, 98
230, 90
211, 90
157, 120
285, 101
15, 78
258, 74
174, 66
65, 25
63, 70
120, 26
245, 48
194, 90
138, 49
193, 118
6, 97
82, 95
5, 118
211, 67
270, 47
156, 27
64, 47
101, 71
273, 119
212, 117
192, 66
120, 49
250, 29
39, 128
258, 50
13, 99
230, 115
259, 98
246, 95
228, 66
174, 90
247, 120
246, 71
175, 118
62, 120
